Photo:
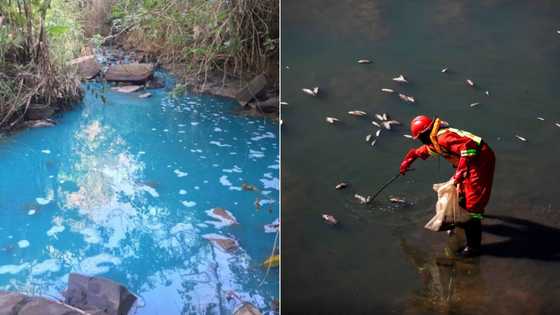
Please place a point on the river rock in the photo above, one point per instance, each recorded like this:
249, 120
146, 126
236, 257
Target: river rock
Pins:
39, 112
270, 105
133, 72
97, 293
19, 304
127, 88
250, 91
88, 68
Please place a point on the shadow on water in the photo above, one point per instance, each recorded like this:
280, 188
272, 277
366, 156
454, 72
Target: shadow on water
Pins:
525, 239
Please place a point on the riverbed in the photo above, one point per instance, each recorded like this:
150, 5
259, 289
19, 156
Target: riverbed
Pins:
123, 187
381, 259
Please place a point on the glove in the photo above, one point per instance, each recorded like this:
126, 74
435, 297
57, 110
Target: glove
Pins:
407, 161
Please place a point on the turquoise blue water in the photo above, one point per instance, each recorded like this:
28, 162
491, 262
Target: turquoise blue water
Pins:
121, 189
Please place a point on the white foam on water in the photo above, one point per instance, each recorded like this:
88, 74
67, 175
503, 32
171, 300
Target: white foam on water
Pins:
92, 265
180, 173
266, 202
13, 269
220, 144
188, 204
224, 181
31, 212
274, 167
264, 136
235, 188
194, 123
46, 200
23, 244
270, 183
255, 154
55, 229
150, 191
222, 222
91, 235
182, 192
218, 129
46, 151
49, 265
235, 169
182, 227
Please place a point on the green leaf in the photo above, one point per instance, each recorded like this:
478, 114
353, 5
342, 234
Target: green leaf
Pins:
57, 30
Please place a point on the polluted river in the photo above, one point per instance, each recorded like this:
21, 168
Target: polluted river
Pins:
380, 259
136, 190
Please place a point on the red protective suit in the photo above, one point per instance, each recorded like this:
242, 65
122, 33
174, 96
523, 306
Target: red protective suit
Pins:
473, 159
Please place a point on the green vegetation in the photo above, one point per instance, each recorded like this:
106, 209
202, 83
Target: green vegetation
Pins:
37, 38
237, 37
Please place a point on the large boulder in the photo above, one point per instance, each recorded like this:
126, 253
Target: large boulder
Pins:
88, 68
12, 303
39, 112
133, 72
271, 105
251, 89
96, 293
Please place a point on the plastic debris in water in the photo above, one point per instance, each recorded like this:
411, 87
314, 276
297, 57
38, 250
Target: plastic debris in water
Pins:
521, 138
364, 61
357, 113
332, 120
341, 186
329, 219
272, 261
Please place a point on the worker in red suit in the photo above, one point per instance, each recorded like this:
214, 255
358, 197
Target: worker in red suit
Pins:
474, 163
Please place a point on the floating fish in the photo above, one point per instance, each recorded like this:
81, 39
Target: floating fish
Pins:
557, 125
403, 97
521, 138
283, 103
364, 61
386, 125
474, 104
375, 123
377, 133
341, 186
394, 122
379, 117
329, 219
312, 92
444, 70
357, 113
400, 79
408, 136
362, 199
387, 90
332, 120
487, 93
373, 143
540, 118
470, 82
398, 201
368, 137
411, 99
385, 116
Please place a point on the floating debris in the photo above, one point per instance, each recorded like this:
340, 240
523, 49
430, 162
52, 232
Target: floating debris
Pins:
368, 137
364, 61
400, 79
329, 219
387, 90
444, 70
540, 118
341, 186
398, 201
408, 136
357, 113
521, 138
362, 199
394, 122
332, 120
470, 82
249, 187
312, 92
375, 123
474, 104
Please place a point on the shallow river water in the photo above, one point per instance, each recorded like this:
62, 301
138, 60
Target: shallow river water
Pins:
122, 188
380, 259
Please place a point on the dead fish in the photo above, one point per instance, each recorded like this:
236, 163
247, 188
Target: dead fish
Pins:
357, 113
400, 79
379, 117
487, 93
403, 97
394, 122
470, 82
368, 137
387, 90
332, 120
540, 118
444, 70
283, 103
557, 125
408, 136
375, 123
364, 61
362, 199
521, 138
377, 133
411, 99
329, 219
373, 143
341, 186
398, 201
312, 92
474, 104
249, 187
386, 125
385, 116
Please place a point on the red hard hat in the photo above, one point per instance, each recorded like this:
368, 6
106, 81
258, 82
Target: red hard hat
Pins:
419, 125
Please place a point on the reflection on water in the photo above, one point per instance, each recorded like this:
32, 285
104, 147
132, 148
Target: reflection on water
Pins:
123, 190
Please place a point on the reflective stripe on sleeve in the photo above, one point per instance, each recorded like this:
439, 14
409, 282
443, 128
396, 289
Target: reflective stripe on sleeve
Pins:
468, 152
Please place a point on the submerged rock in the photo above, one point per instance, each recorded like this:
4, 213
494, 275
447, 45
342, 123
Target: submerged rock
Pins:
20, 304
134, 72
96, 293
224, 215
88, 68
127, 89
250, 91
225, 243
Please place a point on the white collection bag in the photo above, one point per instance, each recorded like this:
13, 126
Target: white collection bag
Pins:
448, 211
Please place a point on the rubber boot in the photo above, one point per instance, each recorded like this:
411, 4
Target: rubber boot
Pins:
473, 234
